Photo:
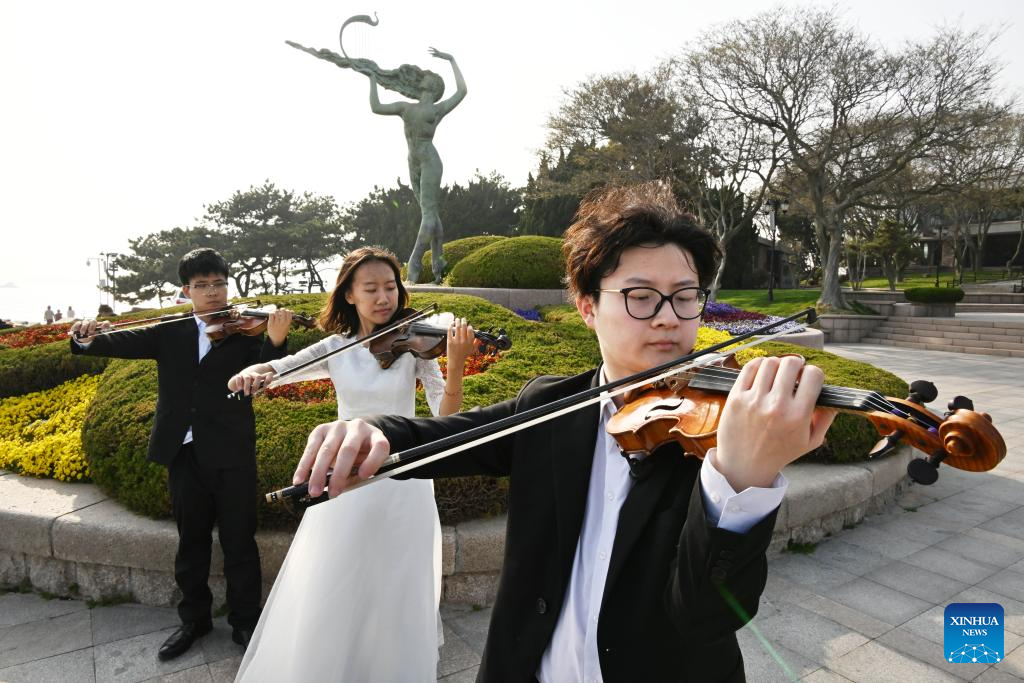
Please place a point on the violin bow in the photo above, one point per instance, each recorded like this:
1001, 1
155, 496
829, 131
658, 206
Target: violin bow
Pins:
399, 463
170, 318
432, 308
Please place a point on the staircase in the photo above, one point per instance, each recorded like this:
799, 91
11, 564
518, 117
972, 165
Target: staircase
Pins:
951, 334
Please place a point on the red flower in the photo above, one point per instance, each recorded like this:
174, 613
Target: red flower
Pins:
37, 334
321, 390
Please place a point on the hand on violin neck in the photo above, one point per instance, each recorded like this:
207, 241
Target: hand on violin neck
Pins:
770, 420
337, 447
253, 378
461, 343
278, 324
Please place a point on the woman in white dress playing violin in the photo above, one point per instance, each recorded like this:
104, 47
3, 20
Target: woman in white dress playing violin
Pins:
383, 544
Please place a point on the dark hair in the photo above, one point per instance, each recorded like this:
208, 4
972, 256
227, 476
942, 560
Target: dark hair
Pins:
339, 315
610, 220
204, 261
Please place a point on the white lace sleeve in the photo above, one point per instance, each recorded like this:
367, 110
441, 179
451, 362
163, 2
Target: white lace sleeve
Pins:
429, 372
316, 371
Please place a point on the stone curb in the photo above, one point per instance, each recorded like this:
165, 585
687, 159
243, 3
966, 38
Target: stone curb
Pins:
70, 539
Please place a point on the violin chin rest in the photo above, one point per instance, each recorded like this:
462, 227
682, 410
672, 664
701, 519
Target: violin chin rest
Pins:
922, 471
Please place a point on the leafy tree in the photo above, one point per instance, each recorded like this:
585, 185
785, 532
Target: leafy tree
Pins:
622, 128
894, 245
389, 217
264, 229
487, 205
548, 206
150, 271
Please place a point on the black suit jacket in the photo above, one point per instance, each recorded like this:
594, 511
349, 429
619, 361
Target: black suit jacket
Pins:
192, 393
677, 587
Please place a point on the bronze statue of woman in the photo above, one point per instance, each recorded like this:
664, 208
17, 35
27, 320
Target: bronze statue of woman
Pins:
420, 119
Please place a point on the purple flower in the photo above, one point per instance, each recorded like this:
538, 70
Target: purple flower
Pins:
528, 314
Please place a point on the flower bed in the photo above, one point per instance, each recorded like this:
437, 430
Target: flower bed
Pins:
322, 390
728, 318
37, 334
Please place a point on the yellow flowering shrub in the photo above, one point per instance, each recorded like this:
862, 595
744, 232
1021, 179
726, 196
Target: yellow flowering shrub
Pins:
709, 336
41, 432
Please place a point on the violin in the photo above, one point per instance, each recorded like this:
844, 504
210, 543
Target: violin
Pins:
424, 340
685, 408
163, 319
248, 322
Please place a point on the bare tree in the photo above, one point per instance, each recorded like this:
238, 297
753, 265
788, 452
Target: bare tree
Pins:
981, 176
739, 160
852, 114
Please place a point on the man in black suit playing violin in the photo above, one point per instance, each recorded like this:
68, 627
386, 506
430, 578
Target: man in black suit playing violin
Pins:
615, 572
207, 442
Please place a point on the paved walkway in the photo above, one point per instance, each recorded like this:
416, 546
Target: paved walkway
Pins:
864, 606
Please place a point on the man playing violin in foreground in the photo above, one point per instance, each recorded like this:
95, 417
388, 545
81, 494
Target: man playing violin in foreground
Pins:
207, 442
610, 575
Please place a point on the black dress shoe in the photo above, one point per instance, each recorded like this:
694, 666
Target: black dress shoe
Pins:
182, 639
242, 636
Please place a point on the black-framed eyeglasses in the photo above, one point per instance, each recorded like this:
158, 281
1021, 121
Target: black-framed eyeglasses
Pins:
643, 303
211, 288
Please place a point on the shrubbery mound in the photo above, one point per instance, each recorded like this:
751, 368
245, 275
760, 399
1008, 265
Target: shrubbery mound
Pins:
454, 251
934, 295
514, 263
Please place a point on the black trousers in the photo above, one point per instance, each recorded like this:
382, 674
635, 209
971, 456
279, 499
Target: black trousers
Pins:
202, 496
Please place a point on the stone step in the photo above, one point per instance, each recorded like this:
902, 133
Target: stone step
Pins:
963, 333
948, 341
989, 308
956, 322
909, 342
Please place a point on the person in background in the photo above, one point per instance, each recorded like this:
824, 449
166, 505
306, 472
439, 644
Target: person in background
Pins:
71, 313
386, 541
207, 442
57, 315
48, 315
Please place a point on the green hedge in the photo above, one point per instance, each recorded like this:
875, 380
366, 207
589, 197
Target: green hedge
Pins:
516, 263
38, 368
454, 251
934, 295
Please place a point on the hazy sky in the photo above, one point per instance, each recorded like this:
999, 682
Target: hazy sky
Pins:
122, 118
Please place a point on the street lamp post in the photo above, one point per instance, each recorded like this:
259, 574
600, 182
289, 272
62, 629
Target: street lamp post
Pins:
99, 273
106, 265
774, 206
938, 255
110, 266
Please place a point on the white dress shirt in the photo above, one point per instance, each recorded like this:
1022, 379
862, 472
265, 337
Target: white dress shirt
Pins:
572, 653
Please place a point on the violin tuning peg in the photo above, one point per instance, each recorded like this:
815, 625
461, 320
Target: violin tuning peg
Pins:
960, 403
922, 391
923, 471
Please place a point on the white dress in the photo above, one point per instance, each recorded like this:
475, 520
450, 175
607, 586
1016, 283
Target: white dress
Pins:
357, 596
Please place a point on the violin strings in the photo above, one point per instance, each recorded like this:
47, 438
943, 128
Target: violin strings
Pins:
724, 378
844, 394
